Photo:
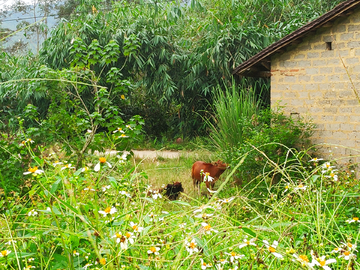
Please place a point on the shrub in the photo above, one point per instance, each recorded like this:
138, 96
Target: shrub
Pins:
265, 135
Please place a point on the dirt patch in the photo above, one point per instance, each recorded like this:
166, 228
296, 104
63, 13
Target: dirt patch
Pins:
152, 154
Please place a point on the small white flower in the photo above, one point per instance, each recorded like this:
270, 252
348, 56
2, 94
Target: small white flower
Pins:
4, 253
34, 171
336, 250
122, 158
156, 194
227, 200
104, 188
122, 240
108, 211
202, 208
300, 187
303, 259
347, 255
85, 169
322, 262
272, 248
205, 265
153, 250
67, 166
119, 130
135, 227
333, 176
10, 242
327, 166
57, 163
349, 246
32, 213
234, 257
204, 215
89, 188
123, 136
152, 217
207, 228
87, 265
102, 160
191, 246
127, 194
247, 242
315, 159
26, 141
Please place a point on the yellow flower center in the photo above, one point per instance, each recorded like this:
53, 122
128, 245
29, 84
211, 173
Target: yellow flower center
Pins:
32, 170
123, 135
153, 249
135, 227
349, 245
128, 235
122, 97
207, 228
4, 253
347, 253
192, 245
118, 235
304, 258
315, 159
300, 186
103, 261
332, 174
355, 218
271, 249
107, 210
102, 160
322, 263
233, 253
207, 174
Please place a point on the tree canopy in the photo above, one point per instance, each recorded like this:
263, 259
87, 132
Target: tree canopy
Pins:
170, 55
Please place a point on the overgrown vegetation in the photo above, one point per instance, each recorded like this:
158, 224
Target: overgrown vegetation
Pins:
72, 195
169, 55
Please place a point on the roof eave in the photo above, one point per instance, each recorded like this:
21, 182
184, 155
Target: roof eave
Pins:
340, 10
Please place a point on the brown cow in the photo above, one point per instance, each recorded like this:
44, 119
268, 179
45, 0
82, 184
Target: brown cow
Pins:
207, 172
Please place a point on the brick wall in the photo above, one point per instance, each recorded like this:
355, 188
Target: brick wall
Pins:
311, 80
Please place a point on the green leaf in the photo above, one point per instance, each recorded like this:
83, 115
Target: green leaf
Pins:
55, 186
248, 231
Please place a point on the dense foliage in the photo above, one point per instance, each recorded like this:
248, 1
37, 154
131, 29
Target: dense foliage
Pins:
172, 53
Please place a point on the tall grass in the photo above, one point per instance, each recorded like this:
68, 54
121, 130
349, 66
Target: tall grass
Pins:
67, 222
235, 108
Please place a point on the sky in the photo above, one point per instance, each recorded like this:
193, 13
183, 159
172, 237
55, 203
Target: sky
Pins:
5, 3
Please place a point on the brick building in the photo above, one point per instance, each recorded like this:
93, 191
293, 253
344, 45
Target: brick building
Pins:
315, 72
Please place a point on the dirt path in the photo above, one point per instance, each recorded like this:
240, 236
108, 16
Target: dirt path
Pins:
152, 154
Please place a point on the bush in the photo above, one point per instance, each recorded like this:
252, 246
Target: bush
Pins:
264, 135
